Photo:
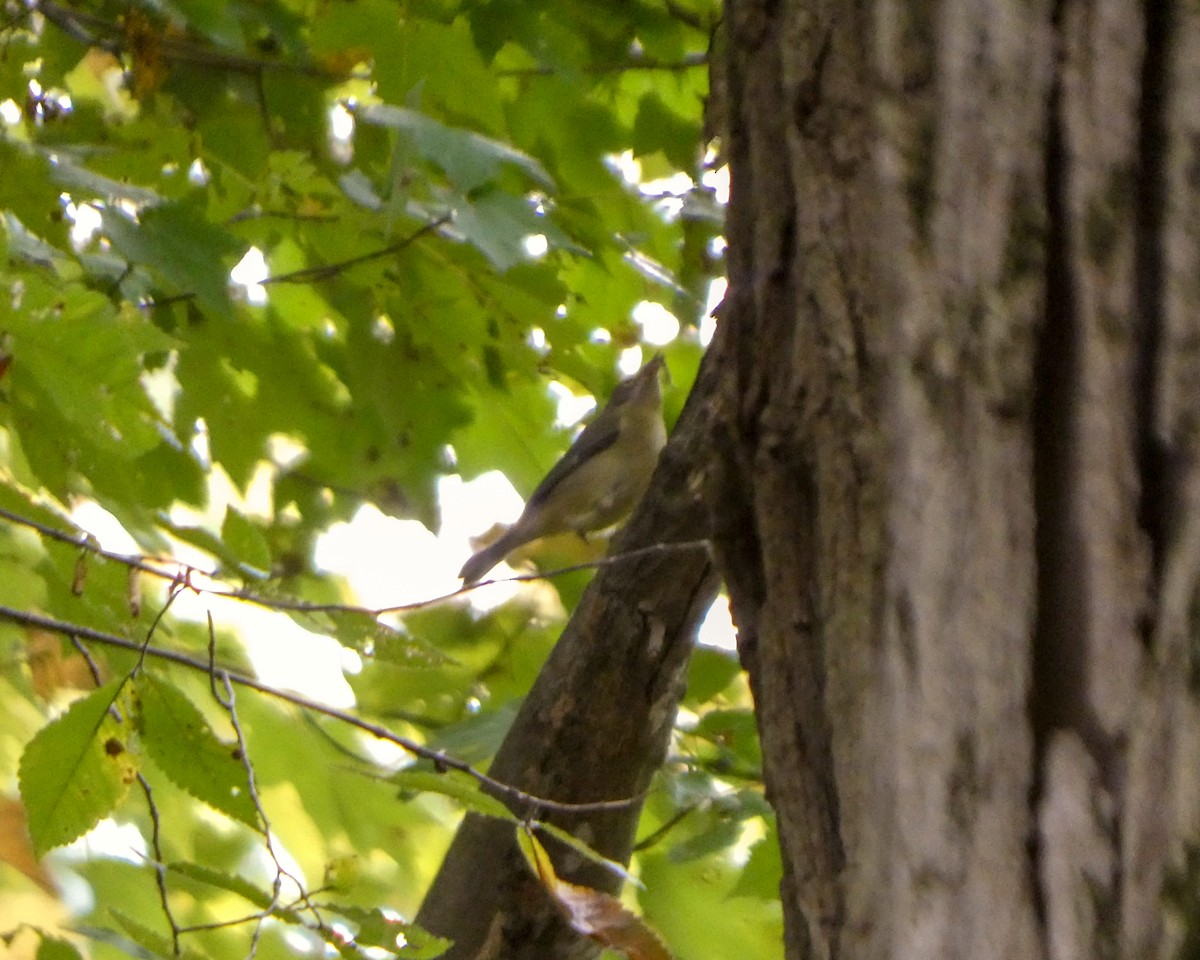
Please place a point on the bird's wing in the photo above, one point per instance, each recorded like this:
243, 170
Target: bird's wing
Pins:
596, 437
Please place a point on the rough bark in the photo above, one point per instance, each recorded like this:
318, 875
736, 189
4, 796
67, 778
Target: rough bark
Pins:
955, 499
594, 727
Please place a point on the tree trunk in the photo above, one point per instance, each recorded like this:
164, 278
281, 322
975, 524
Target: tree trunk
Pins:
955, 496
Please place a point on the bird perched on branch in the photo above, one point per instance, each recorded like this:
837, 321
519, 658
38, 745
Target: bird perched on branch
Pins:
599, 480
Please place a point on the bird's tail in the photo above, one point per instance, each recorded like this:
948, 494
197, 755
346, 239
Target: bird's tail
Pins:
483, 560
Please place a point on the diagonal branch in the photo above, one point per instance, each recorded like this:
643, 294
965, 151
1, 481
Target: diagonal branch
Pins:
441, 761
598, 719
326, 271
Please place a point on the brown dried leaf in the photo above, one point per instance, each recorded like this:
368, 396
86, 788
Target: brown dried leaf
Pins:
593, 913
144, 41
50, 671
135, 592
16, 849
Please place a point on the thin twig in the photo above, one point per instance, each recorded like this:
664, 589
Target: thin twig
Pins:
671, 824
85, 541
328, 270
307, 606
160, 866
291, 215
176, 588
227, 698
93, 666
690, 61
258, 916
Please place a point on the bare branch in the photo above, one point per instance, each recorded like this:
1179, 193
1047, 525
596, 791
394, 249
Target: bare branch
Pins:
440, 760
327, 271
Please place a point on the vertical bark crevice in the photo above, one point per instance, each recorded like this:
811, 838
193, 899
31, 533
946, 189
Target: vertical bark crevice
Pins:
1099, 328
1063, 726
1053, 701
1155, 508
1055, 369
1099, 482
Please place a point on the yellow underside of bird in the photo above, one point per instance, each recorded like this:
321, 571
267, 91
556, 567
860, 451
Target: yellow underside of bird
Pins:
599, 480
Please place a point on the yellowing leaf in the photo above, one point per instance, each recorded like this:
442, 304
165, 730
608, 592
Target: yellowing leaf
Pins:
99, 77
76, 770
594, 913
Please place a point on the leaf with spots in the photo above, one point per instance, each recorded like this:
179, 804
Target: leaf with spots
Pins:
77, 769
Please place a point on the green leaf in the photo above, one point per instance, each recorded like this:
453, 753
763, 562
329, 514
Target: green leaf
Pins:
719, 834
177, 241
498, 223
80, 178
246, 542
659, 128
710, 672
734, 731
378, 929
508, 432
155, 944
52, 948
468, 158
32, 215
477, 737
223, 881
361, 631
204, 539
681, 900
456, 785
76, 769
584, 850
760, 877
218, 21
441, 70
78, 359
180, 741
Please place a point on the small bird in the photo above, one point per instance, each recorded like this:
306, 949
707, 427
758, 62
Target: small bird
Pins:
599, 480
